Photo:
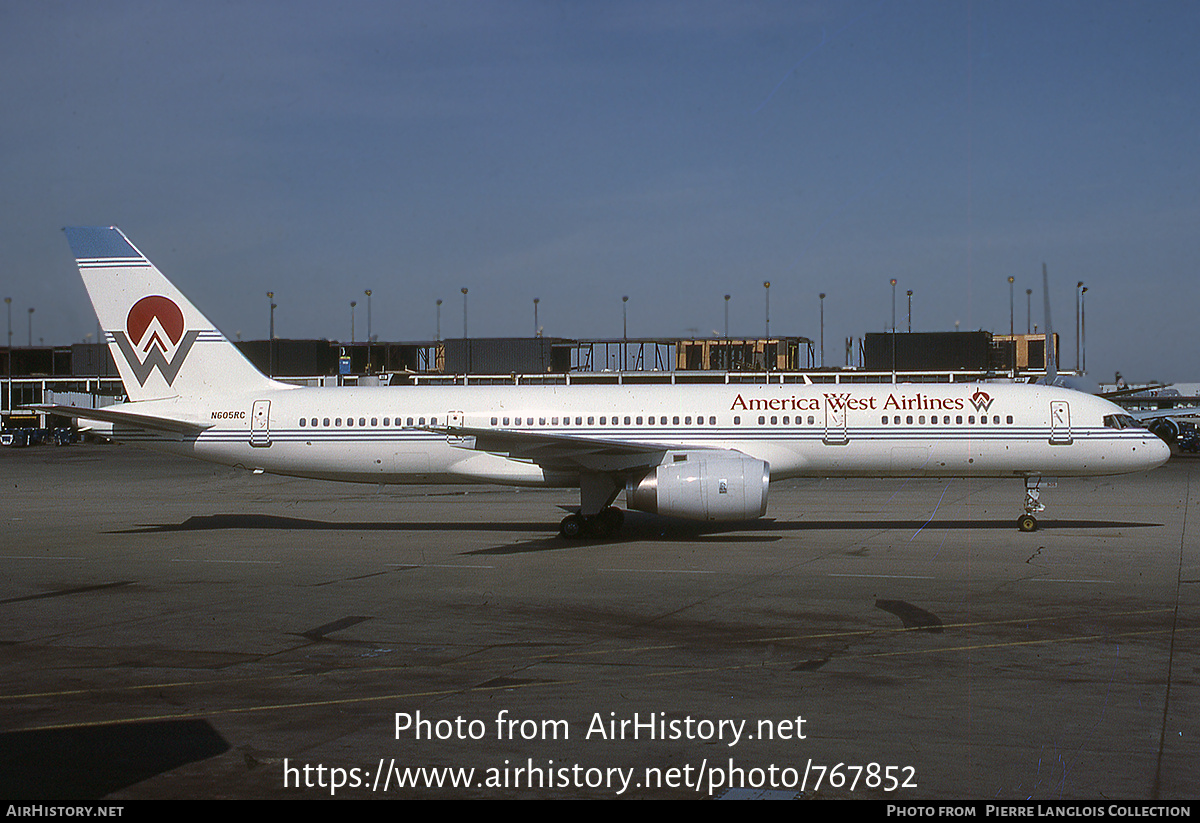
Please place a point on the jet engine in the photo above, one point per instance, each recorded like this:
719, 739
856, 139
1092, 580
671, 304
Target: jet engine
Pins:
703, 488
1166, 428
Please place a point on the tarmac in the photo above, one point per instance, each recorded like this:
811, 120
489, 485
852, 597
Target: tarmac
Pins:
173, 629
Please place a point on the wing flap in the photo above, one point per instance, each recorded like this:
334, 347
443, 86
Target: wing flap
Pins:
560, 451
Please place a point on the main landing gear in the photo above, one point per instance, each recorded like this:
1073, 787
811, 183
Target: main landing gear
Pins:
597, 516
1027, 522
605, 524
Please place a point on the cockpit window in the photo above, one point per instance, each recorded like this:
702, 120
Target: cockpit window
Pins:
1120, 421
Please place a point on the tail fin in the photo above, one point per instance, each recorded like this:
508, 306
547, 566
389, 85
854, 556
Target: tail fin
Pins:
162, 345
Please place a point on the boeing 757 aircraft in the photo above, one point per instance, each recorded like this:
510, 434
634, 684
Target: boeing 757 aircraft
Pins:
705, 451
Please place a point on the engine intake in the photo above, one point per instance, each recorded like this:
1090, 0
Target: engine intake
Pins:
703, 488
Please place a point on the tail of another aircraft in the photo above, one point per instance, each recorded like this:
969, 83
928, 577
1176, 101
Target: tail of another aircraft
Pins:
162, 345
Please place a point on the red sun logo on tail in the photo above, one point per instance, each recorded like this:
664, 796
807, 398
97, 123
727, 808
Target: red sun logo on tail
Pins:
145, 312
148, 321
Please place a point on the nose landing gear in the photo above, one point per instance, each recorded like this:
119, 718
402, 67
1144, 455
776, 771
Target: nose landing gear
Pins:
1027, 522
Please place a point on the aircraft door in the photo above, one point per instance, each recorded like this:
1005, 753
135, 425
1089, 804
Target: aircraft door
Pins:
454, 419
836, 433
260, 424
1060, 422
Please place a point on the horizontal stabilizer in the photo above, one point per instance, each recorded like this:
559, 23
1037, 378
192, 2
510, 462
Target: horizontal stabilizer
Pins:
117, 414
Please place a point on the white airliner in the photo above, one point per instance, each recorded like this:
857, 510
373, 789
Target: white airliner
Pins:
704, 451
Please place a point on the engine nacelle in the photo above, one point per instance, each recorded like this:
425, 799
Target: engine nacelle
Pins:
703, 488
1166, 428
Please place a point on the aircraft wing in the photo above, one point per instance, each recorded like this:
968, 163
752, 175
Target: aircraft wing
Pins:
1156, 414
117, 414
561, 451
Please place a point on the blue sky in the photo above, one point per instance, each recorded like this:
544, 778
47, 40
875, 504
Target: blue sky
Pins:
581, 151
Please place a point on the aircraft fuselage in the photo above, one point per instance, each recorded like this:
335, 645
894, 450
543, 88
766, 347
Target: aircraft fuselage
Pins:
383, 435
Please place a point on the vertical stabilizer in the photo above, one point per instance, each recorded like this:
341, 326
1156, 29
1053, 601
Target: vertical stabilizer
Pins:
162, 345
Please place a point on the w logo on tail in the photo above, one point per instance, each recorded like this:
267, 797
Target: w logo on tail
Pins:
155, 327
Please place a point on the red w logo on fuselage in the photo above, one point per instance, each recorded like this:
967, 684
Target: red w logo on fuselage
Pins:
150, 319
981, 400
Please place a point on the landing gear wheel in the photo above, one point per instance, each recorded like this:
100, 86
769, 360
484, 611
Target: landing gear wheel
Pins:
571, 527
1027, 523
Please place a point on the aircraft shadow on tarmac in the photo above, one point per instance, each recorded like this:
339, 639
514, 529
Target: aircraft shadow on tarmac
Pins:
637, 527
90, 762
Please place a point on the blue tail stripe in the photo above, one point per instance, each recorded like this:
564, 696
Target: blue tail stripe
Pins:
91, 242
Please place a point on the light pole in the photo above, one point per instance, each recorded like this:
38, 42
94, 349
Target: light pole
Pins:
368, 294
624, 332
8, 353
822, 296
466, 338
893, 305
1028, 311
437, 337
536, 327
893, 330
352, 305
1010, 306
1083, 325
31, 327
767, 329
767, 301
1078, 286
910, 311
728, 358
271, 337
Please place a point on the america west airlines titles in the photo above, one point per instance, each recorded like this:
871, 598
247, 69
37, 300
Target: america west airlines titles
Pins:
838, 401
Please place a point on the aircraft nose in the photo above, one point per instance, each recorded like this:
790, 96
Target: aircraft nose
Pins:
1156, 452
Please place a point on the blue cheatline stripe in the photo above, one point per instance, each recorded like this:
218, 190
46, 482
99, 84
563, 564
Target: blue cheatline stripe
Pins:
91, 242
